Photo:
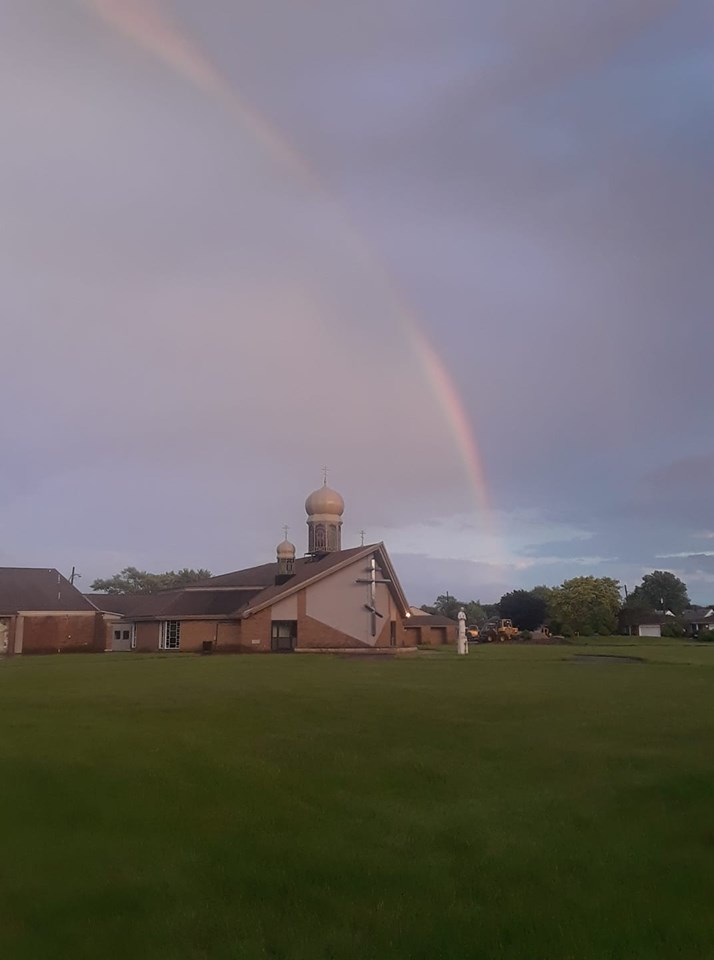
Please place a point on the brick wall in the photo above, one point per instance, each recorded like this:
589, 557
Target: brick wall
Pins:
256, 628
147, 636
225, 635
429, 636
64, 633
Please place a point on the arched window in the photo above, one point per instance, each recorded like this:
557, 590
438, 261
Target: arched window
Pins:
320, 539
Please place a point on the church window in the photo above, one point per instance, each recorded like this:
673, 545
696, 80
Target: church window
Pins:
170, 635
320, 541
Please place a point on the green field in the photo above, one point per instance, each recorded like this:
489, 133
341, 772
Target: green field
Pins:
517, 803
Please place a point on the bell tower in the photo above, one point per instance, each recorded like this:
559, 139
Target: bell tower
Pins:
286, 559
324, 508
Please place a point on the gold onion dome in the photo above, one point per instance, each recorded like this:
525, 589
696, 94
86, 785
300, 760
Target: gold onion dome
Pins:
324, 502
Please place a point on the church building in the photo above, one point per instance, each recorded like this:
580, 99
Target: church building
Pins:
330, 599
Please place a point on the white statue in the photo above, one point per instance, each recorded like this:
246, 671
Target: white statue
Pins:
462, 647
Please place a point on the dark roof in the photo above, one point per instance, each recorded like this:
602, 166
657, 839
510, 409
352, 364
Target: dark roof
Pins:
113, 602
259, 576
639, 618
172, 604
698, 615
38, 590
305, 569
242, 591
430, 620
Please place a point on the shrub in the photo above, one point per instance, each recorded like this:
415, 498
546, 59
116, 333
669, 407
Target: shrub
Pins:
525, 635
674, 629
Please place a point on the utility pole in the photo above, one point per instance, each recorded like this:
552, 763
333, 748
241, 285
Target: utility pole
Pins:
74, 576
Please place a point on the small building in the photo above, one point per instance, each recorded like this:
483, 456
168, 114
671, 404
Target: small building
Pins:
641, 623
42, 612
328, 600
431, 629
698, 620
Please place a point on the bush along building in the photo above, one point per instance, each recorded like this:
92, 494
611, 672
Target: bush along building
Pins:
330, 599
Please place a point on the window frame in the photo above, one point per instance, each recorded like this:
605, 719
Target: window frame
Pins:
170, 636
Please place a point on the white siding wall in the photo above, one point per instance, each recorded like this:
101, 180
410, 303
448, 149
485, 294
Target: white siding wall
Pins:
286, 609
339, 602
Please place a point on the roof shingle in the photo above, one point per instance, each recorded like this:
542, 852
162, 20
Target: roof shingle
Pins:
39, 590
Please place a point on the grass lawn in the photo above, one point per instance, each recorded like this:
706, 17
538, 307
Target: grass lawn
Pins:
516, 803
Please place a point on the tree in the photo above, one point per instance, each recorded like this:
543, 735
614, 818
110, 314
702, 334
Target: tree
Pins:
474, 612
545, 593
131, 580
586, 606
447, 606
526, 610
660, 590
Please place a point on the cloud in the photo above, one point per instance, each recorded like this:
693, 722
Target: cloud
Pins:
195, 329
701, 553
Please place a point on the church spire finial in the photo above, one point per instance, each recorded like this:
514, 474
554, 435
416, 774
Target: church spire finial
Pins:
324, 476
286, 529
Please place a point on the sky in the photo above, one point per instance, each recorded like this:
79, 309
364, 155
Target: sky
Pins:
460, 253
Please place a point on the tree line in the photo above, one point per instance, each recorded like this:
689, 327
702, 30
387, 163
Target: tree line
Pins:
588, 606
582, 605
132, 580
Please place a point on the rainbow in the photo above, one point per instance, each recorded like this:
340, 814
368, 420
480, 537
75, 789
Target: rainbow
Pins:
146, 24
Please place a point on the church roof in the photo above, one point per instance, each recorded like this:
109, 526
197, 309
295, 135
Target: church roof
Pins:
308, 570
38, 590
242, 592
174, 604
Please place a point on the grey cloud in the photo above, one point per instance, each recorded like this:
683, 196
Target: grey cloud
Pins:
194, 329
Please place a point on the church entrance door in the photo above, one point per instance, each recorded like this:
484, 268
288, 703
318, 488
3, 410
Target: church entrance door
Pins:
283, 636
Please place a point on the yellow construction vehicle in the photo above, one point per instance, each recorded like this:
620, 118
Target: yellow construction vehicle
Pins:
498, 630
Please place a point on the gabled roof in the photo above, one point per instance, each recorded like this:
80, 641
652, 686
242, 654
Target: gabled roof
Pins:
632, 617
243, 592
308, 570
39, 590
698, 615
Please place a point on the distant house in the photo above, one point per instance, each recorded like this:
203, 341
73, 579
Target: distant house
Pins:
640, 623
698, 619
42, 612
